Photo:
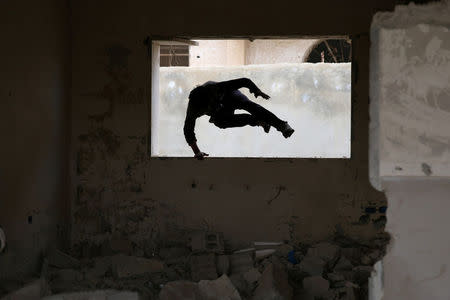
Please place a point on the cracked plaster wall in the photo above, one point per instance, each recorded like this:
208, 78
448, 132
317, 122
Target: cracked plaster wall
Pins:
266, 199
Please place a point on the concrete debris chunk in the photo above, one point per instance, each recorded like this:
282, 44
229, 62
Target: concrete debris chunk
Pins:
316, 286
362, 273
334, 277
61, 260
167, 253
102, 265
266, 245
345, 293
67, 275
261, 254
241, 285
223, 264
96, 295
326, 251
312, 265
126, 266
123, 246
273, 284
177, 290
352, 254
343, 264
241, 262
31, 291
203, 266
252, 276
366, 260
283, 250
221, 288
207, 241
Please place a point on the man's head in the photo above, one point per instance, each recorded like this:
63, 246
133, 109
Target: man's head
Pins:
199, 92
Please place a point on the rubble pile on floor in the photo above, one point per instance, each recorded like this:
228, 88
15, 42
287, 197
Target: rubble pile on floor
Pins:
206, 269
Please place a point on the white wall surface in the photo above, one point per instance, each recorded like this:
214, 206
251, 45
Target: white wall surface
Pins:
217, 53
410, 89
417, 264
313, 98
277, 51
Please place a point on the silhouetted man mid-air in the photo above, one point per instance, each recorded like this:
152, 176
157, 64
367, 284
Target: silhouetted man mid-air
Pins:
219, 100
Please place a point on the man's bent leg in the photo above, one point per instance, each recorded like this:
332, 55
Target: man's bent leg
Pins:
235, 120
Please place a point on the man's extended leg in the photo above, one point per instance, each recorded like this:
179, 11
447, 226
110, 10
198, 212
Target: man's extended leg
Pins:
262, 114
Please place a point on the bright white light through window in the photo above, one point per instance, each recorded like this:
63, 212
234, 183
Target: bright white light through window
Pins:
309, 82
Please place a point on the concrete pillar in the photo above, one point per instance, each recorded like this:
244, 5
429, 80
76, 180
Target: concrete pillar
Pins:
410, 146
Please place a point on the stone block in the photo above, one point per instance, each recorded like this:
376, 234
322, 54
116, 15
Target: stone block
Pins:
334, 277
223, 264
30, 291
283, 250
221, 288
273, 284
207, 241
241, 284
102, 265
362, 273
203, 266
345, 293
67, 275
312, 265
343, 264
169, 253
252, 276
326, 251
126, 266
177, 290
241, 262
316, 286
96, 295
62, 260
123, 246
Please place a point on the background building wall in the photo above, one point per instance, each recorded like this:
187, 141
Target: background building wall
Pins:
313, 98
217, 53
277, 51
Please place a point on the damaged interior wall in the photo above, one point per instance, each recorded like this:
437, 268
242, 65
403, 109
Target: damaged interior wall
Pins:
119, 193
116, 190
35, 77
410, 157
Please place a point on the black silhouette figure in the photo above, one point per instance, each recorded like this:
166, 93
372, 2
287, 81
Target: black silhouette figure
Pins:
219, 100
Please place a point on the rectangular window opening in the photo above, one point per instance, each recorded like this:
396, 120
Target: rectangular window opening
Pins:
308, 81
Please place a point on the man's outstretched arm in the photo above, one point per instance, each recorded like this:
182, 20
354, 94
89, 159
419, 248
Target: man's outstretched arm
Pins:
236, 84
189, 134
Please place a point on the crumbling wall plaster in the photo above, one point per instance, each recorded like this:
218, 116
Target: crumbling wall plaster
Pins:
410, 84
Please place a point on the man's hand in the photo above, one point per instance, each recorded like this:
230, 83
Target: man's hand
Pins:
200, 155
197, 153
258, 92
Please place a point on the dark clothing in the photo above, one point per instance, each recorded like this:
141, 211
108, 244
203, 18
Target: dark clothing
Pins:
219, 101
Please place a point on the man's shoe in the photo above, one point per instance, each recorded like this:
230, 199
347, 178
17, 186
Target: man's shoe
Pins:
287, 130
